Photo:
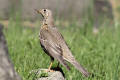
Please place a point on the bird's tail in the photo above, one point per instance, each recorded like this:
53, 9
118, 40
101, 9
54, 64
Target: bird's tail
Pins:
63, 62
66, 65
80, 68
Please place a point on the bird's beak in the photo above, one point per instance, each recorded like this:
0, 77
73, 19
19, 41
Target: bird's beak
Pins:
38, 11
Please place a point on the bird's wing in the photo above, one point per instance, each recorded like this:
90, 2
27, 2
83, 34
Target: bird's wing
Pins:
52, 47
60, 40
67, 55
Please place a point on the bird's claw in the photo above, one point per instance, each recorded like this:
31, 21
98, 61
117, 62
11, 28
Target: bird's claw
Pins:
49, 70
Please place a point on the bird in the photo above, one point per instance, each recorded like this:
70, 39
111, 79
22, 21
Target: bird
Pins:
53, 43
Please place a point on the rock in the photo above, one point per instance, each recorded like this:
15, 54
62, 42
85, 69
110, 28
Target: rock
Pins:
7, 71
43, 75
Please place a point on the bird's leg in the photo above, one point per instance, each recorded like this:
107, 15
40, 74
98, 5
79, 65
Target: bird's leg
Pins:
49, 68
50, 65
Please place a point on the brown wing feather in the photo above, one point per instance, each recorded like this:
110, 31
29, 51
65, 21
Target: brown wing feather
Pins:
67, 55
47, 40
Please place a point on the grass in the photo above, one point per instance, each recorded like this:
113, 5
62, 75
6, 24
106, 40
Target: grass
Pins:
99, 54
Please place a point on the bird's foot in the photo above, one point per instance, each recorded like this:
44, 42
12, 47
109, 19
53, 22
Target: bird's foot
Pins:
49, 70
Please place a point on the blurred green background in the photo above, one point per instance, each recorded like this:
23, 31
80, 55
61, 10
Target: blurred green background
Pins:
90, 27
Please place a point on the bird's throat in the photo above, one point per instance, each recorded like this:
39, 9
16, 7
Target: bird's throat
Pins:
48, 21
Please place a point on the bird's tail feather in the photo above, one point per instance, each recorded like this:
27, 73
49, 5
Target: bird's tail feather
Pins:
80, 68
63, 62
66, 65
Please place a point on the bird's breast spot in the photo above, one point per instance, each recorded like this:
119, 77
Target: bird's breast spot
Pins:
45, 27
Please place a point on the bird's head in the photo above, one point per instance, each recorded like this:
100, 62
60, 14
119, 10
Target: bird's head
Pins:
47, 16
46, 13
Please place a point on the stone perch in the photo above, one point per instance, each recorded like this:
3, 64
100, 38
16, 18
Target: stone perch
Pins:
7, 71
41, 74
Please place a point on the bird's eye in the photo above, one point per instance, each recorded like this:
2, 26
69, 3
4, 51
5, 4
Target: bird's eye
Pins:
44, 10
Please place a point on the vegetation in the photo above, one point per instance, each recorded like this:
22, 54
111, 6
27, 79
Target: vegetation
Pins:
99, 54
